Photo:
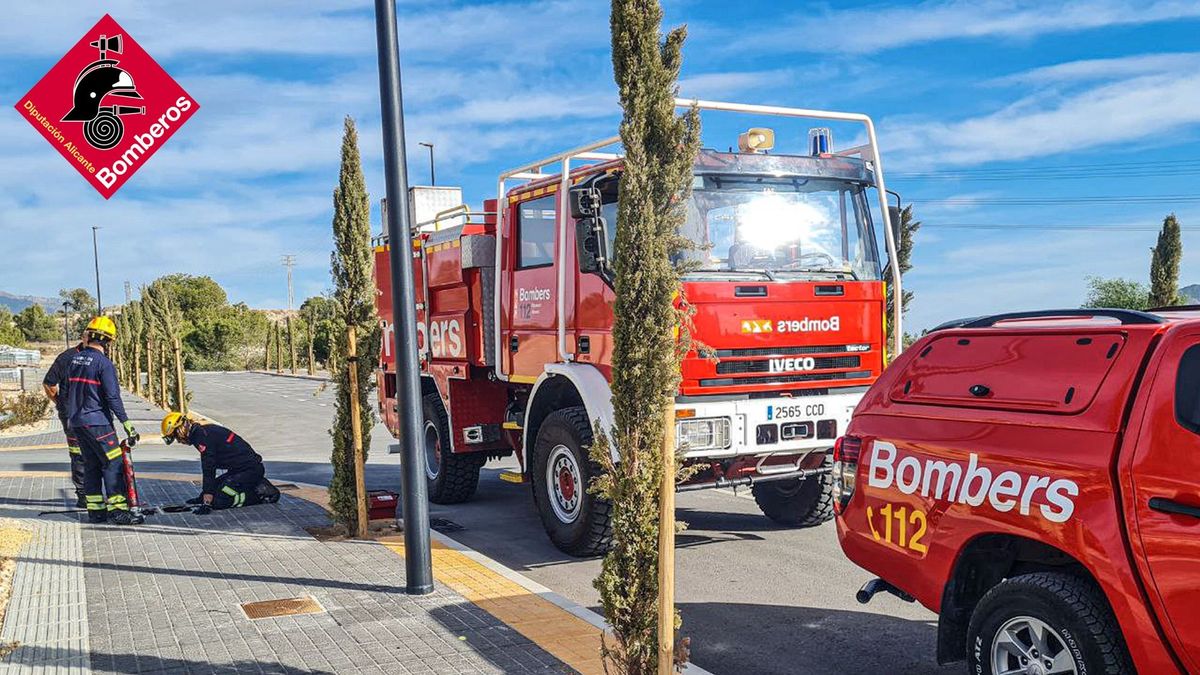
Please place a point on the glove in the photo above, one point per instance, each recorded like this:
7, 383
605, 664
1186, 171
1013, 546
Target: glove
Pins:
202, 510
132, 433
198, 499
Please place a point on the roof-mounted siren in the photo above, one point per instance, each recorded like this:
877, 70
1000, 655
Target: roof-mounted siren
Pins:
107, 44
820, 141
756, 140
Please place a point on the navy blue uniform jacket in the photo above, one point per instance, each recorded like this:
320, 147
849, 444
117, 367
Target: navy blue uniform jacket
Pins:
57, 377
93, 395
221, 449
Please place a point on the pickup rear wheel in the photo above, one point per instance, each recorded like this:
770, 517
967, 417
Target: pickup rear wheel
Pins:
576, 520
452, 478
798, 503
1045, 623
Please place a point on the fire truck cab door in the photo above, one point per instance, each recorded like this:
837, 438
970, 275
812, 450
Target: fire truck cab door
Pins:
1165, 470
530, 332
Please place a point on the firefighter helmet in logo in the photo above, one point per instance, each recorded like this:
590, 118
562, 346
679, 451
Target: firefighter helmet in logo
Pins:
102, 127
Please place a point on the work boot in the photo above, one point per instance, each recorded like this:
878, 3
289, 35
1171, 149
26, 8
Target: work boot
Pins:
127, 518
199, 499
267, 493
80, 501
97, 517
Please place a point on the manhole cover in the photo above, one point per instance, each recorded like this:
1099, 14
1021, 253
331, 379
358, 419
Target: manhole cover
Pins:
287, 486
268, 609
444, 525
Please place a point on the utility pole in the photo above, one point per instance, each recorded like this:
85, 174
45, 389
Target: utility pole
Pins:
432, 176
96, 259
289, 261
66, 330
418, 563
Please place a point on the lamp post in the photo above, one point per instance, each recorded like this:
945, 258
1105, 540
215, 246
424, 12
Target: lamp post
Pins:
432, 176
66, 329
96, 259
418, 562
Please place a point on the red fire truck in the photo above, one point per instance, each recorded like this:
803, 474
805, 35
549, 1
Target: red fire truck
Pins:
514, 306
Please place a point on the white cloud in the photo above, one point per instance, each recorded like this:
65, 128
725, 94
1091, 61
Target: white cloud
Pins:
881, 27
1180, 63
1121, 112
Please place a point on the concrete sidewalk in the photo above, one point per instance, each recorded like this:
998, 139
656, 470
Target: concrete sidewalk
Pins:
166, 596
146, 417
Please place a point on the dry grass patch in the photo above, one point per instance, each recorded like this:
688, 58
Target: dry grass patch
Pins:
13, 537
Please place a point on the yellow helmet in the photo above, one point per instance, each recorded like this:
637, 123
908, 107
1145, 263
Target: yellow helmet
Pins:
103, 326
170, 425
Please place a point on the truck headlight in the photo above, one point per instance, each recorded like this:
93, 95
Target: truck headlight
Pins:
703, 434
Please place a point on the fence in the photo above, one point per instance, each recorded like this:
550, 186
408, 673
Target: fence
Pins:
10, 376
11, 356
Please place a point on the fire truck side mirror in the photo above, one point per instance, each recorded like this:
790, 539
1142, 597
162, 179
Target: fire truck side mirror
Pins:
585, 202
591, 244
894, 216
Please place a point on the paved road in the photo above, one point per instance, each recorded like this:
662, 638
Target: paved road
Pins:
755, 598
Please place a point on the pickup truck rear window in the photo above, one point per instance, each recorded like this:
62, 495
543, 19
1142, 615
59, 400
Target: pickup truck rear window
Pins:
1053, 373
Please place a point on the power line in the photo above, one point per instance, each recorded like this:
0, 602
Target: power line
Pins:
1037, 201
289, 261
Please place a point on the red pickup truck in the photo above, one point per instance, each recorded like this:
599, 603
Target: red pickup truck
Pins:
1034, 478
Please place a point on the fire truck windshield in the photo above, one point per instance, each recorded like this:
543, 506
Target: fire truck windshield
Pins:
781, 225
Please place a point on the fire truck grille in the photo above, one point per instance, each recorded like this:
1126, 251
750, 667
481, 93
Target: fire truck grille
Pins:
819, 363
782, 351
784, 379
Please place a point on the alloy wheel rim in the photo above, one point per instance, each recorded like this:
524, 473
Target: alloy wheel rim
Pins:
1026, 645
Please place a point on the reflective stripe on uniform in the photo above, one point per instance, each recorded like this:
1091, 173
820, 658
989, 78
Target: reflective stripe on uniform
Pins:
117, 503
95, 502
114, 453
240, 499
74, 450
229, 490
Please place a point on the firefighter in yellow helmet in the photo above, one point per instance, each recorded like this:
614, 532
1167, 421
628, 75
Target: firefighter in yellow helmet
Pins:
243, 482
93, 398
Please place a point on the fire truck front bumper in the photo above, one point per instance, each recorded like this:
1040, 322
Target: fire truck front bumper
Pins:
714, 427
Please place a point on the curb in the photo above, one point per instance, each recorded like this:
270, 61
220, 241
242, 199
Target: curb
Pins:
297, 376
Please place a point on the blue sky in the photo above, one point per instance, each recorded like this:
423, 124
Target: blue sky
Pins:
1001, 121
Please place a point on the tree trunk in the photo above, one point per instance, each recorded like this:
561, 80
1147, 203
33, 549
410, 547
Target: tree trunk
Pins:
356, 430
311, 366
151, 388
137, 368
666, 550
180, 389
278, 350
163, 402
291, 346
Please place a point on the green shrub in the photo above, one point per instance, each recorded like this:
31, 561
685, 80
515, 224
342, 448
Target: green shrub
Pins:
25, 408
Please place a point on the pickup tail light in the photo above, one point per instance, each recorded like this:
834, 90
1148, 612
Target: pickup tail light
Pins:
846, 451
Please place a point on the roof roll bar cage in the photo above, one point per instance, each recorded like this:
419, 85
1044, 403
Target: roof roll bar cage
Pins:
1125, 316
868, 151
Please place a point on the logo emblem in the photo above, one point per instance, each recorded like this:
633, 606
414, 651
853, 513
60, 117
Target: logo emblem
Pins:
756, 325
107, 106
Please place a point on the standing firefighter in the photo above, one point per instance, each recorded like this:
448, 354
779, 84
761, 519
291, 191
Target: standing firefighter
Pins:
56, 390
244, 482
93, 399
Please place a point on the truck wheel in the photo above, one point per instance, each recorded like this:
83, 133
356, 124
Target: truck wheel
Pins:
804, 502
1049, 623
576, 520
452, 478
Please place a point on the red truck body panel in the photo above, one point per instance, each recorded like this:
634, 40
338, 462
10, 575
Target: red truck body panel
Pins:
1043, 454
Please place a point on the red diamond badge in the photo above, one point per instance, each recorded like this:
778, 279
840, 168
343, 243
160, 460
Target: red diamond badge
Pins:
107, 106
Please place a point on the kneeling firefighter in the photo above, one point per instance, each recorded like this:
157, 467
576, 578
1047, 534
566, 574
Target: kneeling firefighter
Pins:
93, 398
244, 482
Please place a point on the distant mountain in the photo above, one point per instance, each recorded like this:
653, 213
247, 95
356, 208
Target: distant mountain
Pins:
1192, 293
17, 303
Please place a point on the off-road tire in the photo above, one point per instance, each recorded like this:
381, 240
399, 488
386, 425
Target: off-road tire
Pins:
591, 532
798, 503
1072, 606
458, 474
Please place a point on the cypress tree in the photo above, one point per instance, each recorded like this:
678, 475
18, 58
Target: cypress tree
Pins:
908, 227
1164, 264
660, 150
352, 267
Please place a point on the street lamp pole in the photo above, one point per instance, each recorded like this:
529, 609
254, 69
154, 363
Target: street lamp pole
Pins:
432, 176
418, 564
66, 329
96, 259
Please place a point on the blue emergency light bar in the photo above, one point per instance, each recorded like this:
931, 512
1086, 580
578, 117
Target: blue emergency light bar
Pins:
820, 141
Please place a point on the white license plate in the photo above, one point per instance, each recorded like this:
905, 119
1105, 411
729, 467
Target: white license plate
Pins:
795, 411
